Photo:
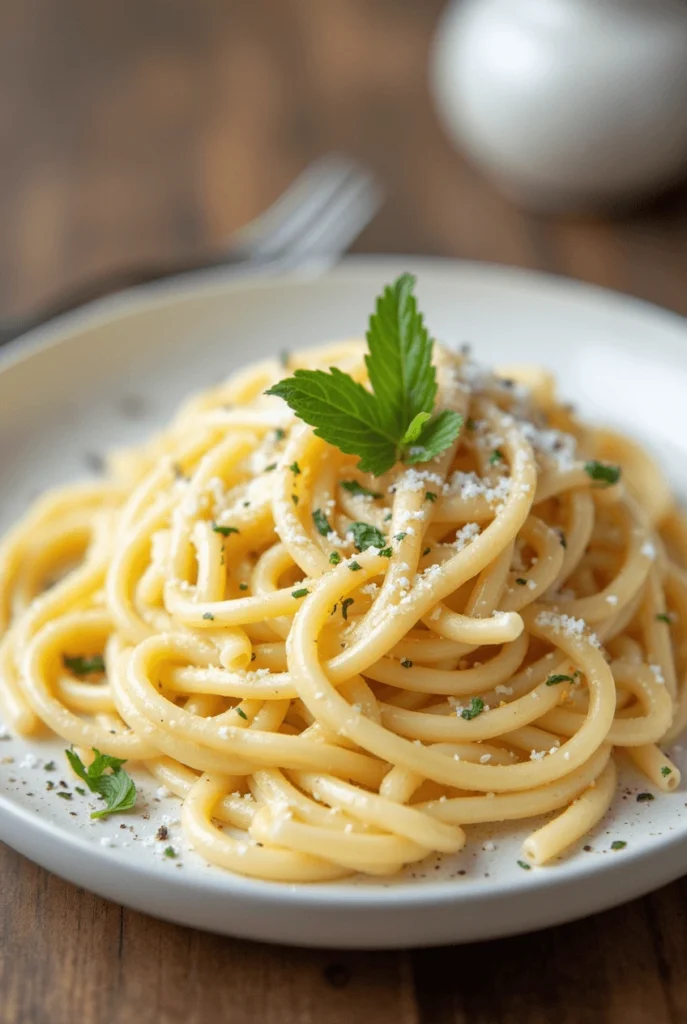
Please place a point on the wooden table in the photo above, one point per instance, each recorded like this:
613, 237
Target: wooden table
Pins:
133, 130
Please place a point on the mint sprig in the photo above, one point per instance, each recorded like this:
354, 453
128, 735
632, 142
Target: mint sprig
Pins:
106, 777
395, 421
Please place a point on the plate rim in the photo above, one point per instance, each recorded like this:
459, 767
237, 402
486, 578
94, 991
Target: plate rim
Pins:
216, 280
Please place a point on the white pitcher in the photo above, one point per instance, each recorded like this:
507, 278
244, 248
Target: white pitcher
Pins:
567, 104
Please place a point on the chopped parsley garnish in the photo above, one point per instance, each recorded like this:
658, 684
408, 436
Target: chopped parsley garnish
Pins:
334, 557
521, 582
386, 552
272, 466
474, 708
396, 419
353, 487
366, 536
430, 496
224, 530
170, 852
496, 456
294, 499
663, 617
345, 605
406, 663
321, 522
666, 771
82, 666
241, 713
618, 844
388, 517
643, 797
106, 777
295, 468
563, 539
49, 766
400, 536
354, 566
602, 473
243, 586
524, 865
280, 434
64, 796
426, 551
303, 592
208, 615
80, 790
554, 680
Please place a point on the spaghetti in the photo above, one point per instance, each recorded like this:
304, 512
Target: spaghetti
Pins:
340, 673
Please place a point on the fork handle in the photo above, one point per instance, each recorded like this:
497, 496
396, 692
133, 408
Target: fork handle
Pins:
119, 280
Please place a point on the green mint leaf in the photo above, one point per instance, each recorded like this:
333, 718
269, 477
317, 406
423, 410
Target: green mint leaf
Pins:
321, 522
399, 364
366, 536
353, 487
436, 435
105, 777
415, 429
82, 666
602, 473
343, 413
395, 419
118, 791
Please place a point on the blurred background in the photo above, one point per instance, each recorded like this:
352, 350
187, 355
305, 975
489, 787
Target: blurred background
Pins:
130, 131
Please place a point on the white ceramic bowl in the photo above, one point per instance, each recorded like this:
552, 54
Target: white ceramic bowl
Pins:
110, 374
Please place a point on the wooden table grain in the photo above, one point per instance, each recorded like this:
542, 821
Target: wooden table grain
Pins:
136, 130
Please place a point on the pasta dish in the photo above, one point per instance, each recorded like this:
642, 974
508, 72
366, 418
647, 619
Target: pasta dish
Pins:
347, 620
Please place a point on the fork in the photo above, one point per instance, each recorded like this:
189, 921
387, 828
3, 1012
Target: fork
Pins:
313, 221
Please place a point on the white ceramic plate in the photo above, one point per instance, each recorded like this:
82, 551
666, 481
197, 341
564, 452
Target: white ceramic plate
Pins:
111, 373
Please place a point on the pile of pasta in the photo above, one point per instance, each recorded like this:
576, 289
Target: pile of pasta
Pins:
324, 706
